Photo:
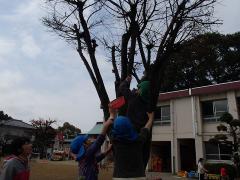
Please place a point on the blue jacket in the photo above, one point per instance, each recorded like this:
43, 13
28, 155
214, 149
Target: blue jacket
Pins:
88, 167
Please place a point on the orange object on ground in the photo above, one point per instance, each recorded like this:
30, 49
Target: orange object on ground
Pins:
117, 103
182, 173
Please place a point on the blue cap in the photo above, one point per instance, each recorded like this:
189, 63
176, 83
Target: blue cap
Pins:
77, 146
123, 129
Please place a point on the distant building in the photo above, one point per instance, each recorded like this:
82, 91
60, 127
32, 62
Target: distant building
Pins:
12, 128
184, 122
96, 130
62, 143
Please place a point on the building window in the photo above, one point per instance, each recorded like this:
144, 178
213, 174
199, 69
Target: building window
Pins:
217, 151
212, 110
162, 115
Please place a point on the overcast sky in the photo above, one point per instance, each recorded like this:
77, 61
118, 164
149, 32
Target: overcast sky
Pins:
41, 76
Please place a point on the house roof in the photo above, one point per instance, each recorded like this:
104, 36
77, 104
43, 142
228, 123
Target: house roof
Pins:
17, 123
96, 129
211, 89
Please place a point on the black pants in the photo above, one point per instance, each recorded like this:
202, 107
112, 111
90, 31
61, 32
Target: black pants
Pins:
146, 152
201, 177
147, 149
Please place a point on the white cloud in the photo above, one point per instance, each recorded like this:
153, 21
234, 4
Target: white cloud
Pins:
10, 79
228, 11
74, 105
24, 12
30, 8
29, 46
6, 46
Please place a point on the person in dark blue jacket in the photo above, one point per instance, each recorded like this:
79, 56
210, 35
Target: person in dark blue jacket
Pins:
87, 151
128, 148
137, 108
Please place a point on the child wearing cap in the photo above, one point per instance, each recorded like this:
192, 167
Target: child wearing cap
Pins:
128, 148
87, 151
136, 109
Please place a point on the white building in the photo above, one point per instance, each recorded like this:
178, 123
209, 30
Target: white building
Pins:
184, 122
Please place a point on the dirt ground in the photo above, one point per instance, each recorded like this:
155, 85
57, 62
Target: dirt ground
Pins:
60, 170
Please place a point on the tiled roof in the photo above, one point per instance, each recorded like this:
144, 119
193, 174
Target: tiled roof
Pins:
96, 129
16, 123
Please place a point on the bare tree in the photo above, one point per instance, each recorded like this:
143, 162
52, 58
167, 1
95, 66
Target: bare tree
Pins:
44, 134
139, 34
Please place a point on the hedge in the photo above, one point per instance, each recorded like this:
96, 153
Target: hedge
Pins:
214, 168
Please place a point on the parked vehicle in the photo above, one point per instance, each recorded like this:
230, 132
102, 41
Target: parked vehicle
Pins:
58, 155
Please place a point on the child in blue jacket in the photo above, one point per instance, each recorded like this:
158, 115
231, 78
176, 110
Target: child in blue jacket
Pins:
87, 151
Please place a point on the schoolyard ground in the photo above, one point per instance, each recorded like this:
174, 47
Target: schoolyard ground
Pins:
67, 170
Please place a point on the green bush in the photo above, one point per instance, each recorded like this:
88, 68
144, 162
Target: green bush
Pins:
214, 168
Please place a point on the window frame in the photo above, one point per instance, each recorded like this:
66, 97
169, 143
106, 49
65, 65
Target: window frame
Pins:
160, 121
215, 117
218, 155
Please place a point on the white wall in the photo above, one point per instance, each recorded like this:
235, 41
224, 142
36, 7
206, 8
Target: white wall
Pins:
183, 118
186, 122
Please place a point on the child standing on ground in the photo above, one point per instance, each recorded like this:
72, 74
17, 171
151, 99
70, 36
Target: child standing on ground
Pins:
137, 109
224, 175
16, 166
128, 148
201, 169
87, 151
